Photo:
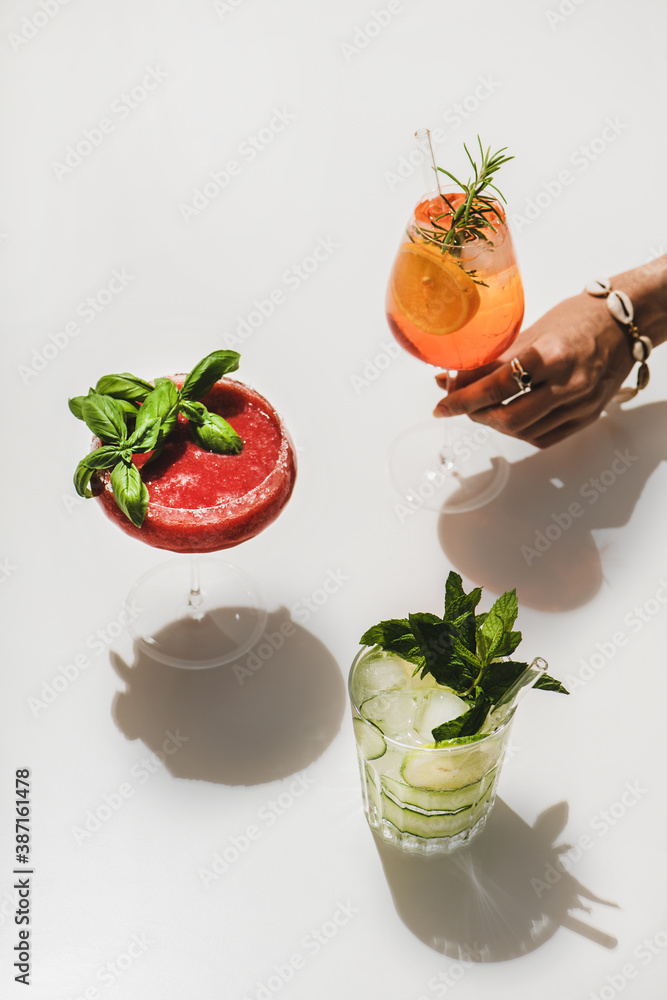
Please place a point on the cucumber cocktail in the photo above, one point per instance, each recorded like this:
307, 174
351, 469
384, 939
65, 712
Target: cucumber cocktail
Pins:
433, 700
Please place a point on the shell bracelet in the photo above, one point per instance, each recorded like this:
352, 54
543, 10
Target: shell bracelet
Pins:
621, 308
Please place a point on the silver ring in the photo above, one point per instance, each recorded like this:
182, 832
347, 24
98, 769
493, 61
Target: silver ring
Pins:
522, 378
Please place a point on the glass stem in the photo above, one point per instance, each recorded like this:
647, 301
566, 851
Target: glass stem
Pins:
447, 458
195, 597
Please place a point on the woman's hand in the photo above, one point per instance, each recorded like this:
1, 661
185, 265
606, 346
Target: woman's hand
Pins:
578, 357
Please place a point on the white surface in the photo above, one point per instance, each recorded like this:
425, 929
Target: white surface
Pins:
131, 893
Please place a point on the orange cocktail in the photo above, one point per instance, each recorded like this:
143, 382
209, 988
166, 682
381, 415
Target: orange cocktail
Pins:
457, 304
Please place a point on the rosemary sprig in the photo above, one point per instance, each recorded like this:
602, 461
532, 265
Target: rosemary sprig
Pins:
470, 220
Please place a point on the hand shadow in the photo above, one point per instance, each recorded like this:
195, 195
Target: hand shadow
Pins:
502, 896
257, 727
537, 534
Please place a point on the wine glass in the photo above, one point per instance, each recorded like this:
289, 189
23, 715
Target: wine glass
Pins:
203, 612
456, 306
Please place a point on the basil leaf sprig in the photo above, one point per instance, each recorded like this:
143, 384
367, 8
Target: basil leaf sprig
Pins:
464, 651
131, 416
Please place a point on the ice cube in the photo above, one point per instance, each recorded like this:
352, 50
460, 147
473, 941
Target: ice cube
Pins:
435, 708
391, 712
379, 671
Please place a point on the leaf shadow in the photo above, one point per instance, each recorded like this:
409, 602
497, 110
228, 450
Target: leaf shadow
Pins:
270, 721
500, 897
532, 537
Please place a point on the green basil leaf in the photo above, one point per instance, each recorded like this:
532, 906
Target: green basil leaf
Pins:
130, 492
75, 405
206, 373
101, 458
498, 677
124, 386
82, 476
215, 434
104, 418
144, 438
195, 412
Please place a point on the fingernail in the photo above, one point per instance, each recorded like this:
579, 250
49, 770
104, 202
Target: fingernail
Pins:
442, 410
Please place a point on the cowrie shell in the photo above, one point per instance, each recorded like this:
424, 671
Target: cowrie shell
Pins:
643, 376
600, 286
641, 348
620, 306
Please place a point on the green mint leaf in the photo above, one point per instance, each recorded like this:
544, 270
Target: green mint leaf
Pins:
104, 418
445, 653
498, 677
506, 608
130, 492
395, 636
124, 386
207, 372
548, 683
215, 434
508, 643
457, 602
467, 724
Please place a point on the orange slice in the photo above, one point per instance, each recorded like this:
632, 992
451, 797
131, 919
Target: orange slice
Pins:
432, 291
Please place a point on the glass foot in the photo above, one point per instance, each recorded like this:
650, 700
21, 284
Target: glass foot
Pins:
196, 615
450, 465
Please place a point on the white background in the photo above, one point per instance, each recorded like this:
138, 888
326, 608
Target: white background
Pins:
121, 905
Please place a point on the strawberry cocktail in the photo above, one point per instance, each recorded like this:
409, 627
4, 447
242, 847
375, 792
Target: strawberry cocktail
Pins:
200, 501
194, 464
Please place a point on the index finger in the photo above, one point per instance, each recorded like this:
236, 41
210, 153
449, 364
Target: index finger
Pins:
499, 385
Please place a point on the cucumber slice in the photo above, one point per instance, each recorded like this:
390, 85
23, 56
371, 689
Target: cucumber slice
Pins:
438, 772
430, 825
449, 800
369, 739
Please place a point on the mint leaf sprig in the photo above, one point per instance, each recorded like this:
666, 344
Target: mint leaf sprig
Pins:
131, 416
464, 651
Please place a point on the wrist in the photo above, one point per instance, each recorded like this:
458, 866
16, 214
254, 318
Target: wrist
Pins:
647, 287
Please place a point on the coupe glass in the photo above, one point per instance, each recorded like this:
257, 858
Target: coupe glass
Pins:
202, 611
456, 307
